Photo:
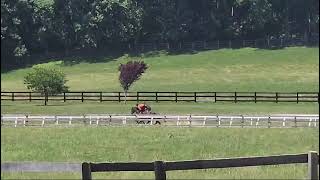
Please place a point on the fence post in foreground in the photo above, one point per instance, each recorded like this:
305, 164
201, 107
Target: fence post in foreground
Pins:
313, 162
86, 171
159, 170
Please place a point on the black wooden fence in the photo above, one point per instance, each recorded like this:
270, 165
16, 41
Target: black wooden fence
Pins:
160, 167
219, 44
166, 96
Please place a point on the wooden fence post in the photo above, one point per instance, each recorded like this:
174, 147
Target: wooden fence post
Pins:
159, 170
86, 171
100, 96
313, 161
137, 96
195, 96
64, 96
215, 97
156, 96
276, 97
119, 97
235, 97
255, 97
81, 96
30, 97
12, 96
176, 96
297, 97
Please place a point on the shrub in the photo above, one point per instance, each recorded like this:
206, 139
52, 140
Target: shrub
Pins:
46, 80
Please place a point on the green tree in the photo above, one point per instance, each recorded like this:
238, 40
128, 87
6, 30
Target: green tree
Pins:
47, 80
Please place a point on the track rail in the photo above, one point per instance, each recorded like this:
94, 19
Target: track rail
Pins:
269, 121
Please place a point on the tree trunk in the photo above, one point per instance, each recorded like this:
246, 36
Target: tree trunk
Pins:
125, 96
45, 97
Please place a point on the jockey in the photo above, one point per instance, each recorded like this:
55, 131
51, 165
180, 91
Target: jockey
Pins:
141, 107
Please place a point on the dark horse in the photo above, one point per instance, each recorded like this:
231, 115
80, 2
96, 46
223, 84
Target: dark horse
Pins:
135, 110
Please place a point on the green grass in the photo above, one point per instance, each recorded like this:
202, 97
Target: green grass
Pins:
72, 108
248, 69
122, 144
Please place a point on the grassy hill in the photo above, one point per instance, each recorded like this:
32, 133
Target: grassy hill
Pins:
247, 69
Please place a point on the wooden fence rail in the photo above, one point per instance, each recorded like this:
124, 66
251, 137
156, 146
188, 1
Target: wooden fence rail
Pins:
166, 96
160, 167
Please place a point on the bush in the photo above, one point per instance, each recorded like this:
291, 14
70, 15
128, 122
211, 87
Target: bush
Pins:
46, 80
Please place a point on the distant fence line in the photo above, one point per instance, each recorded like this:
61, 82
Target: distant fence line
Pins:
166, 96
160, 167
219, 44
243, 121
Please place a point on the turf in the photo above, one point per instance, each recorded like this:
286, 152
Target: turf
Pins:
247, 69
74, 108
122, 144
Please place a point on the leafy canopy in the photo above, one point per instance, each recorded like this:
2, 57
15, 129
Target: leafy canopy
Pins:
130, 73
46, 80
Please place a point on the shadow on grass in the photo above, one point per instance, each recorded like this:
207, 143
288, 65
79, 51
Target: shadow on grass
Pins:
104, 55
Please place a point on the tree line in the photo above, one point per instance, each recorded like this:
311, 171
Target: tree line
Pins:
41, 26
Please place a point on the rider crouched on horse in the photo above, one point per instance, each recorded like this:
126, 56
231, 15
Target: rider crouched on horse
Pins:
142, 108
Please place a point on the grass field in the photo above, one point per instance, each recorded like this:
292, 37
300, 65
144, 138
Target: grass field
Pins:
284, 70
248, 69
73, 108
122, 144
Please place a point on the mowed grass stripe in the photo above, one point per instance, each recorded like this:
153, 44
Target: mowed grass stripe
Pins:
246, 69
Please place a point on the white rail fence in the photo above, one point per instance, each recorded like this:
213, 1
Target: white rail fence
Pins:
269, 121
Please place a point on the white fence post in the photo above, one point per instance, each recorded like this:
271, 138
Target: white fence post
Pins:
42, 124
16, 122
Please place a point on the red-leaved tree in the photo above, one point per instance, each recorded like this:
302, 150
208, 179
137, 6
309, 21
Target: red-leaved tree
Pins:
129, 73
